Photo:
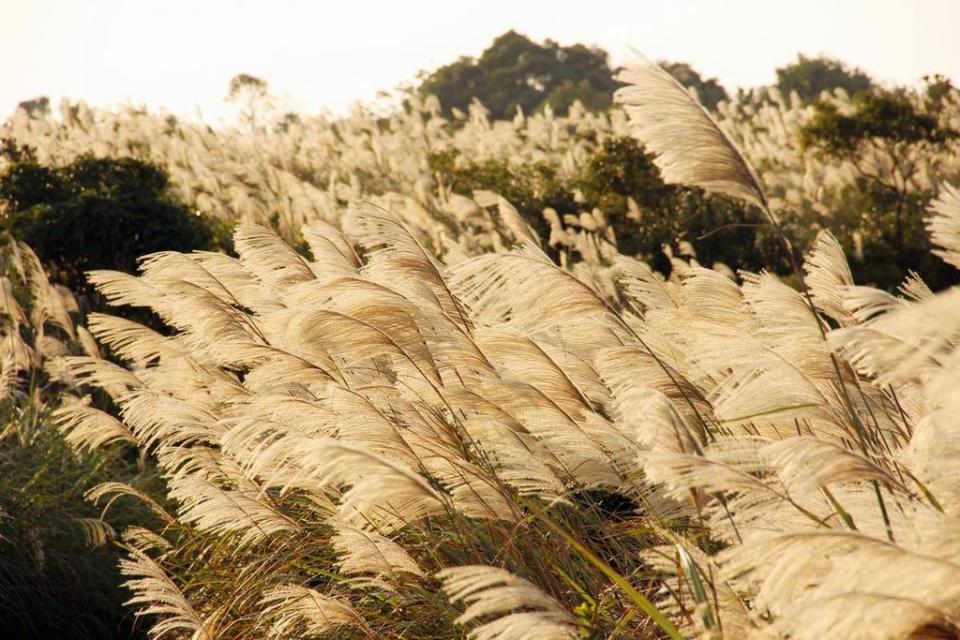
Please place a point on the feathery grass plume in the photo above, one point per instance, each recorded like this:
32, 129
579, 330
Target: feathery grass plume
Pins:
521, 230
268, 257
171, 266
96, 532
117, 489
86, 427
417, 395
944, 225
333, 255
828, 276
294, 611
690, 147
900, 342
799, 592
362, 552
222, 511
160, 597
379, 494
48, 303
159, 419
394, 251
488, 591
124, 289
808, 462
131, 341
145, 540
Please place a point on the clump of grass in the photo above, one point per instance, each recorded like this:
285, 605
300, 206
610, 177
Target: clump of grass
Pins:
58, 564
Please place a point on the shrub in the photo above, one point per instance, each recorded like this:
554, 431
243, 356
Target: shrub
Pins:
97, 213
720, 229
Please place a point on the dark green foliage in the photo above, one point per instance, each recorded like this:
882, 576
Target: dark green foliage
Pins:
886, 210
710, 92
809, 76
720, 229
517, 72
894, 238
243, 83
37, 107
877, 114
53, 584
97, 213
529, 188
936, 88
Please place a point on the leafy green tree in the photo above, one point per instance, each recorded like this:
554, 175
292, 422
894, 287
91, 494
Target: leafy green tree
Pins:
95, 213
709, 91
517, 72
252, 94
936, 87
720, 229
810, 76
530, 188
887, 207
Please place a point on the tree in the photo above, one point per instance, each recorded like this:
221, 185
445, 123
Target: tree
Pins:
710, 92
517, 72
889, 203
38, 107
620, 171
253, 96
810, 76
721, 229
95, 213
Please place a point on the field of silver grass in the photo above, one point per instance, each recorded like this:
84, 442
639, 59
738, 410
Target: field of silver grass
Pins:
431, 430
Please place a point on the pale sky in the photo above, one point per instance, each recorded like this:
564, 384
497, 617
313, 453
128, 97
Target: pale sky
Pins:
180, 55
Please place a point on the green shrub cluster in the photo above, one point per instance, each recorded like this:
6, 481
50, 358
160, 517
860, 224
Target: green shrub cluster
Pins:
97, 213
720, 229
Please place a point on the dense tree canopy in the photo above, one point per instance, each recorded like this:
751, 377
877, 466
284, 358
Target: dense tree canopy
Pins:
517, 72
809, 76
94, 213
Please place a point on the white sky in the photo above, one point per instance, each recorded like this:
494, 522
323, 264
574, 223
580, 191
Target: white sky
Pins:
180, 55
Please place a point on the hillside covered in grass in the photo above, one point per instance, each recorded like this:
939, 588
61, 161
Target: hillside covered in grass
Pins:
641, 372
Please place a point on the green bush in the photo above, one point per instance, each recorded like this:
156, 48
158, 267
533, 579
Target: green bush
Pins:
53, 583
97, 213
530, 188
885, 211
720, 229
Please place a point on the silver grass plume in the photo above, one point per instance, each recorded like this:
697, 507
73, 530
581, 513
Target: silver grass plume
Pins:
154, 589
944, 225
290, 608
489, 590
691, 148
